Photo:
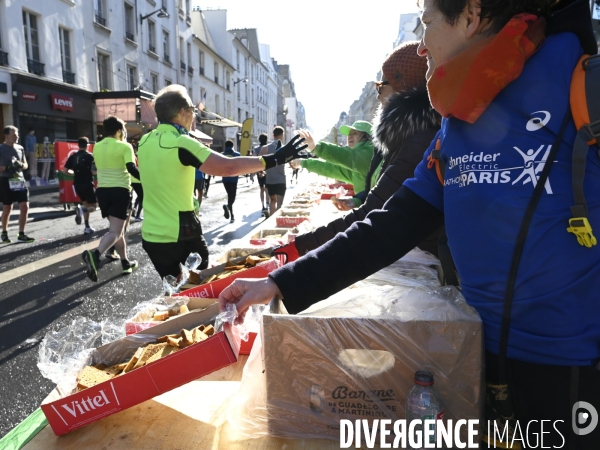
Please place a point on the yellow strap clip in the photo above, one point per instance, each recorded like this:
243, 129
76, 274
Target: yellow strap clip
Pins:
580, 227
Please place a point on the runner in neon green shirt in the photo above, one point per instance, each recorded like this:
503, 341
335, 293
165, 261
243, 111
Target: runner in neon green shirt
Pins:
168, 157
115, 162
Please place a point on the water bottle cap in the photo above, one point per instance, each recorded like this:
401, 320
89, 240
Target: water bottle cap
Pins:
423, 378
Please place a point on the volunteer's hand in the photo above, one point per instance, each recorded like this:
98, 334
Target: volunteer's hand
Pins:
286, 253
245, 292
309, 139
17, 165
292, 150
343, 204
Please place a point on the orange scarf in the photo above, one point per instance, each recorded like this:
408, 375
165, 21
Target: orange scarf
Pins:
464, 86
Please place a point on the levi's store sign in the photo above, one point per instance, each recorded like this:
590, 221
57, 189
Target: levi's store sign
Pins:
62, 102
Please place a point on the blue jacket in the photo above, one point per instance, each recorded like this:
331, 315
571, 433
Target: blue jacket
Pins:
230, 153
491, 169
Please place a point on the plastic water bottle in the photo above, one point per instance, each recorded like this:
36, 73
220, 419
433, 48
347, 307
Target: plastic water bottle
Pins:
423, 402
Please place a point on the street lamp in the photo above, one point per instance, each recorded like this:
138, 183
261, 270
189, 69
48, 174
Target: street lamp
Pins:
245, 80
161, 13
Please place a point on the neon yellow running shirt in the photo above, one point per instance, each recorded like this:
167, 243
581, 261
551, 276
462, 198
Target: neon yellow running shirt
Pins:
111, 157
168, 184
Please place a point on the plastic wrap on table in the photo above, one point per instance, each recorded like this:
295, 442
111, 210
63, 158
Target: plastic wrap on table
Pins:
355, 359
145, 311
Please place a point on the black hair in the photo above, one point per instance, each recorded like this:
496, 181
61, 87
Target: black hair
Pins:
228, 143
6, 131
498, 12
83, 142
262, 139
278, 131
113, 124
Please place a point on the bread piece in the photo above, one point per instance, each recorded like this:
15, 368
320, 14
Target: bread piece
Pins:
119, 366
133, 360
164, 351
100, 366
238, 267
91, 376
209, 279
186, 338
149, 350
166, 337
198, 335
183, 309
174, 341
252, 260
161, 316
208, 330
194, 277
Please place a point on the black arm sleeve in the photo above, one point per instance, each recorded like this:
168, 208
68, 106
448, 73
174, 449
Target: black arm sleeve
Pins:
133, 170
380, 239
188, 159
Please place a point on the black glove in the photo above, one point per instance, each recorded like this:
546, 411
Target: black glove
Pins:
291, 150
311, 155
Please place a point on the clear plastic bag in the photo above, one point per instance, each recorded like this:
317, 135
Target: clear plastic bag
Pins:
354, 357
171, 285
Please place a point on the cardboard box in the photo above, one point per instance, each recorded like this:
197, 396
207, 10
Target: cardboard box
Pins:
142, 320
66, 411
246, 346
319, 370
214, 288
269, 236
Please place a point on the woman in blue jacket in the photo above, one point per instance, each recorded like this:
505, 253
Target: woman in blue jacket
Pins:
499, 73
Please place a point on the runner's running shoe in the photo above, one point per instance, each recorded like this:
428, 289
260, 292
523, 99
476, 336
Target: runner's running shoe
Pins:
89, 230
24, 238
112, 254
129, 266
92, 259
5, 238
226, 211
78, 214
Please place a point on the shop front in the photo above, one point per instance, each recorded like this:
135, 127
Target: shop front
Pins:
6, 99
133, 107
215, 126
54, 112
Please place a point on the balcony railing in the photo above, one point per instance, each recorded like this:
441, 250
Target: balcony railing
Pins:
182, 65
68, 77
129, 35
35, 67
190, 70
188, 19
167, 58
100, 20
152, 48
181, 12
3, 58
201, 70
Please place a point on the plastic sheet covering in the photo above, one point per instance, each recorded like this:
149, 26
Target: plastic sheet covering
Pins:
144, 311
355, 358
64, 352
173, 285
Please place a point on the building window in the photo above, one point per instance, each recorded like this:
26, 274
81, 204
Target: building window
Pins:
167, 82
151, 36
201, 63
228, 80
30, 29
166, 56
164, 4
129, 23
189, 54
99, 10
217, 100
65, 55
217, 73
103, 72
131, 78
154, 81
228, 109
203, 95
237, 59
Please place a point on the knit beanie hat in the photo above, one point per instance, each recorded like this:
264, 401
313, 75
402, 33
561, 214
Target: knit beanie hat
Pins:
404, 69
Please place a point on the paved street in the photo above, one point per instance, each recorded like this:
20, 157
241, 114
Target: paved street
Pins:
38, 299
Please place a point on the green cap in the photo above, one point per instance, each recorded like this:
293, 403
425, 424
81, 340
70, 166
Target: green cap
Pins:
360, 125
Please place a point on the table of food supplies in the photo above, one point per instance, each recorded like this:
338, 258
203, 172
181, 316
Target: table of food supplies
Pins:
178, 373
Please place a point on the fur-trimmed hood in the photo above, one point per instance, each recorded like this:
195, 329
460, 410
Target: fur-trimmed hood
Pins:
405, 114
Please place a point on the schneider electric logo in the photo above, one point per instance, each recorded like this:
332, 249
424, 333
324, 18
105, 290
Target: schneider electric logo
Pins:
584, 418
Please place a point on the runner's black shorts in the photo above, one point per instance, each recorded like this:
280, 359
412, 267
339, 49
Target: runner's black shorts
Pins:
166, 257
85, 192
8, 197
276, 189
261, 181
114, 201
